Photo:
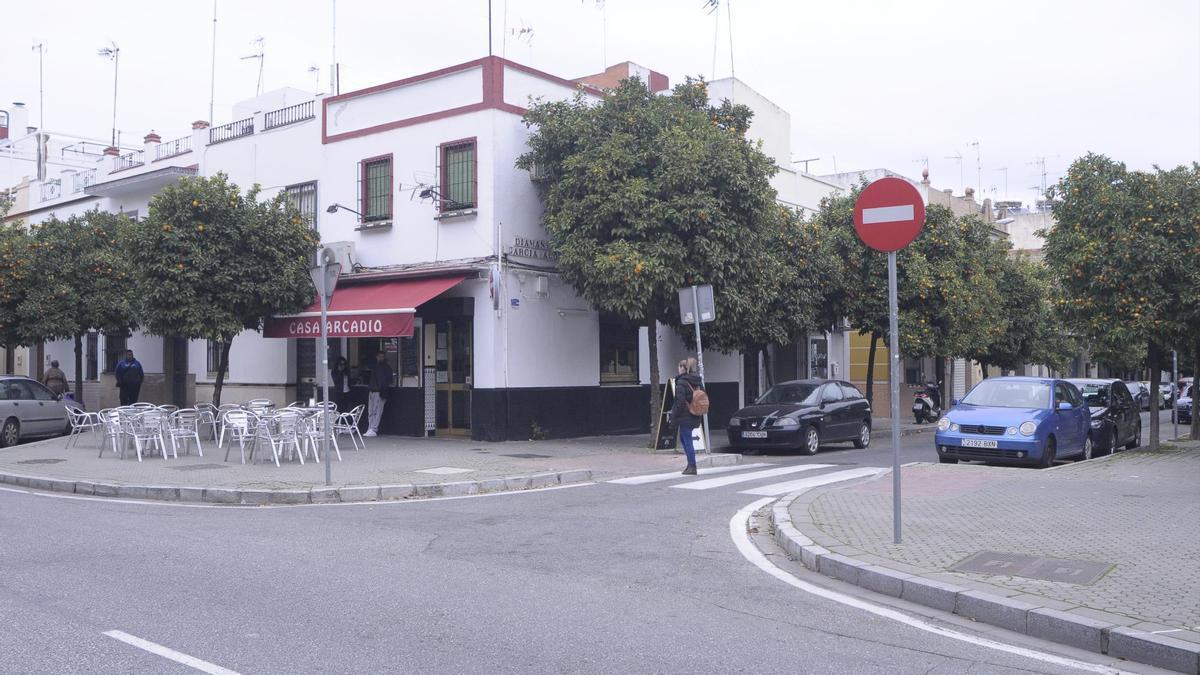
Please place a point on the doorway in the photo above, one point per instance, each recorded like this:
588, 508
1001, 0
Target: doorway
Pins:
175, 366
453, 340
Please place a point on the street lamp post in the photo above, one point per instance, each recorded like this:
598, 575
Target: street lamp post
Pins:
325, 276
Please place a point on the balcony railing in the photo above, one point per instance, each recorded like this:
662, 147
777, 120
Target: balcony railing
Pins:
172, 148
51, 189
288, 115
83, 179
130, 160
230, 131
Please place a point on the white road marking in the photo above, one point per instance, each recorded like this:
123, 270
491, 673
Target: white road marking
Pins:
888, 214
168, 653
187, 505
739, 532
658, 477
444, 470
777, 489
753, 475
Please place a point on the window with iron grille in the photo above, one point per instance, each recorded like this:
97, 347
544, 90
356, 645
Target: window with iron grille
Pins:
458, 175
303, 198
377, 189
619, 341
214, 356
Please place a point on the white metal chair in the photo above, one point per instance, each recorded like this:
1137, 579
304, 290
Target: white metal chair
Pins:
208, 417
260, 405
221, 411
144, 429
279, 432
242, 425
81, 422
110, 423
183, 426
314, 432
347, 423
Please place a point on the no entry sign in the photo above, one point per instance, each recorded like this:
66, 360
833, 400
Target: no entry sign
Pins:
889, 214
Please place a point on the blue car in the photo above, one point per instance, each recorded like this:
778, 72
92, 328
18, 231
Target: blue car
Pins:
1018, 420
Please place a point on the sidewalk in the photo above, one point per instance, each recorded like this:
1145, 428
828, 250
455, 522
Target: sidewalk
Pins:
391, 467
1103, 555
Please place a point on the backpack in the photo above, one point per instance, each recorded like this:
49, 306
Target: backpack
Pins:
698, 406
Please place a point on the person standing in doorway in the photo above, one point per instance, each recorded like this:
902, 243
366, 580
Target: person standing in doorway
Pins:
686, 384
381, 380
55, 379
340, 376
129, 378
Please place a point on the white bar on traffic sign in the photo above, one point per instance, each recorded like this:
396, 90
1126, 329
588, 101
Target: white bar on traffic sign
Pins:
888, 214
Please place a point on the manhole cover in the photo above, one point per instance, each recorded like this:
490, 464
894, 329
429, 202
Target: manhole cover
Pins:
199, 467
41, 461
1082, 572
527, 455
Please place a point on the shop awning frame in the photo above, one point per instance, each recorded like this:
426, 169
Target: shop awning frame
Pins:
381, 309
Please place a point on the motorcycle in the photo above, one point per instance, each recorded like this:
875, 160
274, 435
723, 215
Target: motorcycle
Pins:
927, 405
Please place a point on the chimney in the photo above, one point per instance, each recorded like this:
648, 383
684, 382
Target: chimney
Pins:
613, 75
112, 151
150, 143
199, 124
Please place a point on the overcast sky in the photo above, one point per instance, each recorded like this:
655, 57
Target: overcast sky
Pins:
868, 83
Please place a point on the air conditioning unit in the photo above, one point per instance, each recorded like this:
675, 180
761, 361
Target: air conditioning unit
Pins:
344, 250
541, 287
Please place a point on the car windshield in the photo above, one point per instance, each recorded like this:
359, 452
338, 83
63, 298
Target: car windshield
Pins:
1095, 395
791, 393
1010, 394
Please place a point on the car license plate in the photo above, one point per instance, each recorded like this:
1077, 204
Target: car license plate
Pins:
978, 443
754, 434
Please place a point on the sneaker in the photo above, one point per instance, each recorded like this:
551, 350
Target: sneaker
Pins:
689, 470
370, 433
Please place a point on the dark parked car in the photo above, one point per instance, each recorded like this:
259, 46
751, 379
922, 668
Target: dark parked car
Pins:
1116, 420
803, 414
1140, 394
1183, 409
29, 410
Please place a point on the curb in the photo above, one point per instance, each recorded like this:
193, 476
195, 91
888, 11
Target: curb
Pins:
1022, 617
314, 495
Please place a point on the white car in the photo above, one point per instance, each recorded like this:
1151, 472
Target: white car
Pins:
29, 410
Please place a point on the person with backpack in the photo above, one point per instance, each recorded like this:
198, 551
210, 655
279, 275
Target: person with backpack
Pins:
691, 404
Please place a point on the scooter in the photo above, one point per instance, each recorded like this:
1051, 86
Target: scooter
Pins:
926, 405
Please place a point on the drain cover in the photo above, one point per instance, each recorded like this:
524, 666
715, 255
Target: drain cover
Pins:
527, 455
1083, 572
199, 467
41, 461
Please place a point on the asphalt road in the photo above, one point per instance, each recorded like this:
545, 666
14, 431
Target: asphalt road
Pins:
598, 578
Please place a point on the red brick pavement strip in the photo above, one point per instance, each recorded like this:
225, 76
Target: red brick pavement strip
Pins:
859, 554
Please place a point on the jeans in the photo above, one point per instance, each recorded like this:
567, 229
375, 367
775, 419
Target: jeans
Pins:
129, 393
374, 411
689, 448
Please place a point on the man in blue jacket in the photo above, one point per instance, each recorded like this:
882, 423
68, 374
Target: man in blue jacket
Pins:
129, 378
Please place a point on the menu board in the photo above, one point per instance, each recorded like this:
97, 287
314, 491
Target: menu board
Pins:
410, 357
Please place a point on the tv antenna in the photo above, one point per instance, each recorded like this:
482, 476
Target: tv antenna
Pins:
957, 156
978, 166
262, 57
316, 73
40, 48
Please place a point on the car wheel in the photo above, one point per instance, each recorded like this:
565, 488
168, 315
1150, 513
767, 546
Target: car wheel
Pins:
1047, 459
812, 440
947, 460
10, 434
1088, 447
864, 436
1137, 437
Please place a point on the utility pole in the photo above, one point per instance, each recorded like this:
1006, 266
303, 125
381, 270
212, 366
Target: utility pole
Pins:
40, 48
212, 75
113, 53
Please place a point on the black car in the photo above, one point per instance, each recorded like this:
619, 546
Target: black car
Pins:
803, 414
1183, 408
1116, 415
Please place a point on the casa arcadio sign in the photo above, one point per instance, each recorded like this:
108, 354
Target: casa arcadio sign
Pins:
537, 249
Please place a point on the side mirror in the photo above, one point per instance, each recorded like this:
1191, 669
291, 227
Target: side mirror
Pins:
58, 397
1065, 406
954, 401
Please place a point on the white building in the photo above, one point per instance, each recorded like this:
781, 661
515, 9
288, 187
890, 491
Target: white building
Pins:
414, 184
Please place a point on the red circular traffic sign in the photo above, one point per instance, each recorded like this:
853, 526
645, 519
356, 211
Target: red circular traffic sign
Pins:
889, 214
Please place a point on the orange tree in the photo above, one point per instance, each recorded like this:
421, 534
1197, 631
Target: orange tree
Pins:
83, 281
1123, 251
210, 262
15, 279
645, 194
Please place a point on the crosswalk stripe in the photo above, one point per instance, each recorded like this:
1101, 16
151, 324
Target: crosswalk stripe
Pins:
777, 489
657, 477
754, 475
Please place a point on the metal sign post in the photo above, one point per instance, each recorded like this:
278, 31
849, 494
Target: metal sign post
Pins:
1174, 391
702, 309
325, 277
700, 364
894, 382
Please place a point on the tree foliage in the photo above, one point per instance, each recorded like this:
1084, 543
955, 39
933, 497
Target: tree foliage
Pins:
1034, 333
210, 262
16, 276
645, 194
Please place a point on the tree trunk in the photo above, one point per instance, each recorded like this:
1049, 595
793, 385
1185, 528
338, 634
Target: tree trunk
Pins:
768, 378
1195, 381
79, 370
655, 390
939, 376
871, 369
1155, 363
222, 367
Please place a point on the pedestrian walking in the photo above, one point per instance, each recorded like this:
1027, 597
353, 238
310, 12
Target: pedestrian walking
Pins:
129, 378
381, 380
689, 396
341, 383
55, 379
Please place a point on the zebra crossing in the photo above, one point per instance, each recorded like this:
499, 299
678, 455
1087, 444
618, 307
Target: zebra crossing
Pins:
748, 473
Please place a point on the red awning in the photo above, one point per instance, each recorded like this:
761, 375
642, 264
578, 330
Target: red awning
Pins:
379, 309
